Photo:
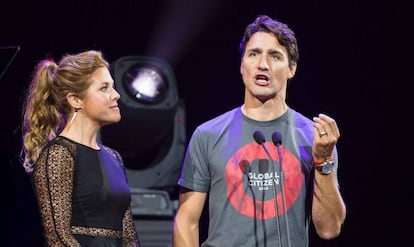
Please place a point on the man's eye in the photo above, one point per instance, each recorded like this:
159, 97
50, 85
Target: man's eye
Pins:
275, 57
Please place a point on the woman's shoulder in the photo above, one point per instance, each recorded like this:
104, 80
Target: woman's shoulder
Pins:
61, 143
114, 153
59, 152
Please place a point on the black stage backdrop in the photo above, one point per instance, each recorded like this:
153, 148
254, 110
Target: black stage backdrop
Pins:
349, 52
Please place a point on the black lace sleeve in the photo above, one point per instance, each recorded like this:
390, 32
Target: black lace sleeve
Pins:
53, 184
129, 235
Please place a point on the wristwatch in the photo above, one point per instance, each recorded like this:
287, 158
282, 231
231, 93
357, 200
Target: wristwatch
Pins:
325, 168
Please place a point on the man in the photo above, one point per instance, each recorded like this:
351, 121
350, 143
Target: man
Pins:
268, 170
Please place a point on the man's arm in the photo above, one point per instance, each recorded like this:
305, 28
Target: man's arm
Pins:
328, 207
186, 222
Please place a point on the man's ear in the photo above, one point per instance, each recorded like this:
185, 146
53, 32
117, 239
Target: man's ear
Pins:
292, 71
74, 100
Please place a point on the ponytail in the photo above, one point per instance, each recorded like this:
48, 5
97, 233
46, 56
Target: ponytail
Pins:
41, 119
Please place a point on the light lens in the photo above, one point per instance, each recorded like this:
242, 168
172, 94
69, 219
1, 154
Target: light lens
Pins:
145, 84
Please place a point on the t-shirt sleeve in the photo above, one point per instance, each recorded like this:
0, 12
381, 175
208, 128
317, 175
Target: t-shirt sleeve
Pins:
195, 172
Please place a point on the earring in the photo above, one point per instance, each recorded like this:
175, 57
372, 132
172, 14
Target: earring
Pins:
74, 115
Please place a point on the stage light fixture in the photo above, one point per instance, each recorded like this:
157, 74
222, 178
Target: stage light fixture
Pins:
151, 134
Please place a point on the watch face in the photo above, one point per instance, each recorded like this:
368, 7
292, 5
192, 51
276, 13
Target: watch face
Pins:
326, 167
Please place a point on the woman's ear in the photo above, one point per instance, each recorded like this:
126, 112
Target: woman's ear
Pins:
74, 100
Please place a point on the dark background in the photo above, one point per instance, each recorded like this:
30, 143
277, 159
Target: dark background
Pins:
349, 52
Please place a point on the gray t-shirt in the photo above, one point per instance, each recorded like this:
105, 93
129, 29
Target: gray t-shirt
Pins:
224, 160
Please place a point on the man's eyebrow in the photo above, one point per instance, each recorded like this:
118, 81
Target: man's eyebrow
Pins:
256, 49
274, 51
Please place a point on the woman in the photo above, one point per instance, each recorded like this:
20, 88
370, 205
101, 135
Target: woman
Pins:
80, 184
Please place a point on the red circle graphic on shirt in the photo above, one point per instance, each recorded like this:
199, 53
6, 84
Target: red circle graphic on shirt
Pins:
256, 208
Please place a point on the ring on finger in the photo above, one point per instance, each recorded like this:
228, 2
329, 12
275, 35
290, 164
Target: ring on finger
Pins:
323, 133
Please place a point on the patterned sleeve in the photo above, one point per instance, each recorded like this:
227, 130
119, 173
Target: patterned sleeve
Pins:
53, 183
129, 236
